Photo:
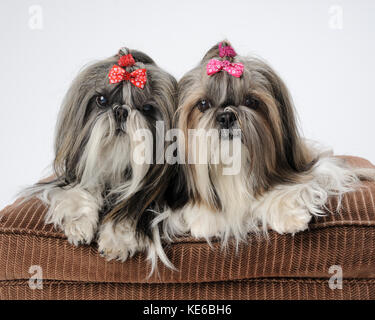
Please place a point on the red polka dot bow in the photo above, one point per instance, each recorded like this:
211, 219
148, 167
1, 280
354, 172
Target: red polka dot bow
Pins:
126, 60
117, 74
234, 69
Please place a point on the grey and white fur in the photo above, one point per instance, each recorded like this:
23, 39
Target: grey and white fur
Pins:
99, 191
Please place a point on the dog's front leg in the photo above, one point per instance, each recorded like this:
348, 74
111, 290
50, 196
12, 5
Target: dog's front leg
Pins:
286, 209
119, 240
76, 212
201, 222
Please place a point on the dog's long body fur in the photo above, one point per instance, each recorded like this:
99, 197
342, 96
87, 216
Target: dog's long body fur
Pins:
99, 187
283, 180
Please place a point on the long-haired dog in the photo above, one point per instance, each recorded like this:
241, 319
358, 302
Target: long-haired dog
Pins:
102, 187
281, 181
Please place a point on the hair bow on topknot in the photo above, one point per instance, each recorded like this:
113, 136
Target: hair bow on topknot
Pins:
227, 51
126, 60
234, 69
117, 74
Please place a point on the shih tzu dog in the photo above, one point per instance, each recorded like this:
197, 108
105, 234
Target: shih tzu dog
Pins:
243, 166
281, 180
103, 187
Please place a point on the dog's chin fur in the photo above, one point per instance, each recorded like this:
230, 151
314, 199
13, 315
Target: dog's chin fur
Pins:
283, 180
100, 191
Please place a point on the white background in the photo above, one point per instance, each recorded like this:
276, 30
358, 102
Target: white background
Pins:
327, 62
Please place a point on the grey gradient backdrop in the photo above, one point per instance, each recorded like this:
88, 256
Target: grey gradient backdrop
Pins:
330, 72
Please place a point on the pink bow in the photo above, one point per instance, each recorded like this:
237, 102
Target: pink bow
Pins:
234, 69
227, 51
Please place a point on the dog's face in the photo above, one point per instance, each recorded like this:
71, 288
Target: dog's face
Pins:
258, 105
98, 122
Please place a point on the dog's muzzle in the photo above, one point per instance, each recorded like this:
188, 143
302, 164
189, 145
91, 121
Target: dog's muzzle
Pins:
121, 114
226, 119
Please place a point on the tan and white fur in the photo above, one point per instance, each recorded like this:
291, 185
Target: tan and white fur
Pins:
283, 180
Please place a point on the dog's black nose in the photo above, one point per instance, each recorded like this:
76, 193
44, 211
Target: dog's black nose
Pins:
226, 119
121, 114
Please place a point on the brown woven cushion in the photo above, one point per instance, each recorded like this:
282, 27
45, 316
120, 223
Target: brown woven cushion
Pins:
281, 267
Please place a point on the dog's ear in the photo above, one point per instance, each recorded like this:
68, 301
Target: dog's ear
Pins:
294, 150
71, 130
69, 125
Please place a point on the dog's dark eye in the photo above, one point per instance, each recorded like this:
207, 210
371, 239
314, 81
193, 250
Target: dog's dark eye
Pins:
251, 102
102, 101
147, 108
203, 105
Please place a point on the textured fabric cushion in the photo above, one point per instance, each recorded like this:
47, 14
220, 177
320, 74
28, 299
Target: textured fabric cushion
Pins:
280, 267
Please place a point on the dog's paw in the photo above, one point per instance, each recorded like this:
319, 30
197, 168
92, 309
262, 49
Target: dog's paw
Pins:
110, 253
75, 211
80, 230
292, 222
203, 223
110, 249
118, 242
